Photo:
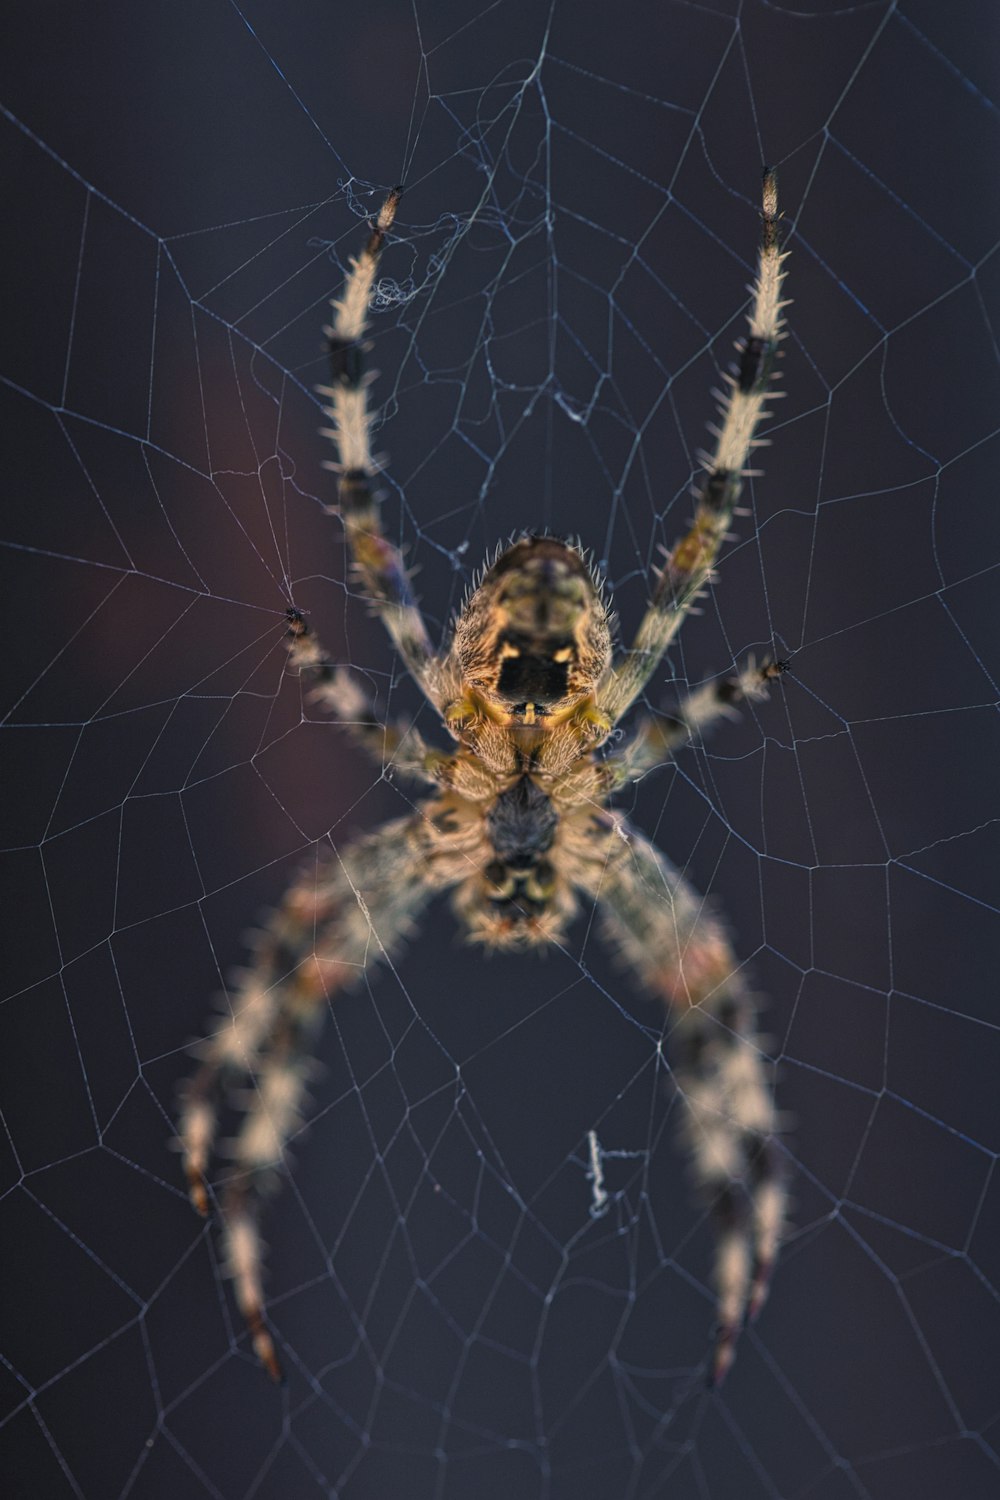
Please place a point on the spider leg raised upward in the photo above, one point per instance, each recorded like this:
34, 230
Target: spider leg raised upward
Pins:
688, 567
680, 953
330, 926
378, 564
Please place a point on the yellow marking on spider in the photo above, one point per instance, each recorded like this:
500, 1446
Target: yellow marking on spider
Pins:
459, 713
591, 720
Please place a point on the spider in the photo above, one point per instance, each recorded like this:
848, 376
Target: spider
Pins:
515, 825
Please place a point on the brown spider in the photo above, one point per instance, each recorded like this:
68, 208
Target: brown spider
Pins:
515, 824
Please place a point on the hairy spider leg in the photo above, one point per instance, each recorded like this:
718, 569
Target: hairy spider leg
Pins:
688, 568
680, 953
394, 746
378, 564
329, 928
659, 737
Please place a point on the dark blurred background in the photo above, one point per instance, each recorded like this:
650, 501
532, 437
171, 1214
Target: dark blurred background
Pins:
184, 187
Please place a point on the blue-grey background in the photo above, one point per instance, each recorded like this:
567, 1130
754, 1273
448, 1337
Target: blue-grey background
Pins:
184, 185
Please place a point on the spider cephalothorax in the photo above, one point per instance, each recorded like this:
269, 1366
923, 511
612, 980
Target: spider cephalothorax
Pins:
514, 824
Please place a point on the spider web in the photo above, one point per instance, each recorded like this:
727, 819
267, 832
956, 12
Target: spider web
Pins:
489, 1276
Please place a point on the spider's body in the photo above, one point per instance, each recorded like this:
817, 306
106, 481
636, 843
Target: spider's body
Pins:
515, 825
530, 646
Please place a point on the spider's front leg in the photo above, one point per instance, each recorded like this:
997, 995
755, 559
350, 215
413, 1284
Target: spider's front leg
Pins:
395, 745
689, 566
378, 564
680, 954
329, 927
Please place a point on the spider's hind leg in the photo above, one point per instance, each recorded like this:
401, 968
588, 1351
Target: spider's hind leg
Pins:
681, 954
319, 942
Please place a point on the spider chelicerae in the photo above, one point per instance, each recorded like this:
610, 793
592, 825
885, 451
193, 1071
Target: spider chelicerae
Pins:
516, 824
